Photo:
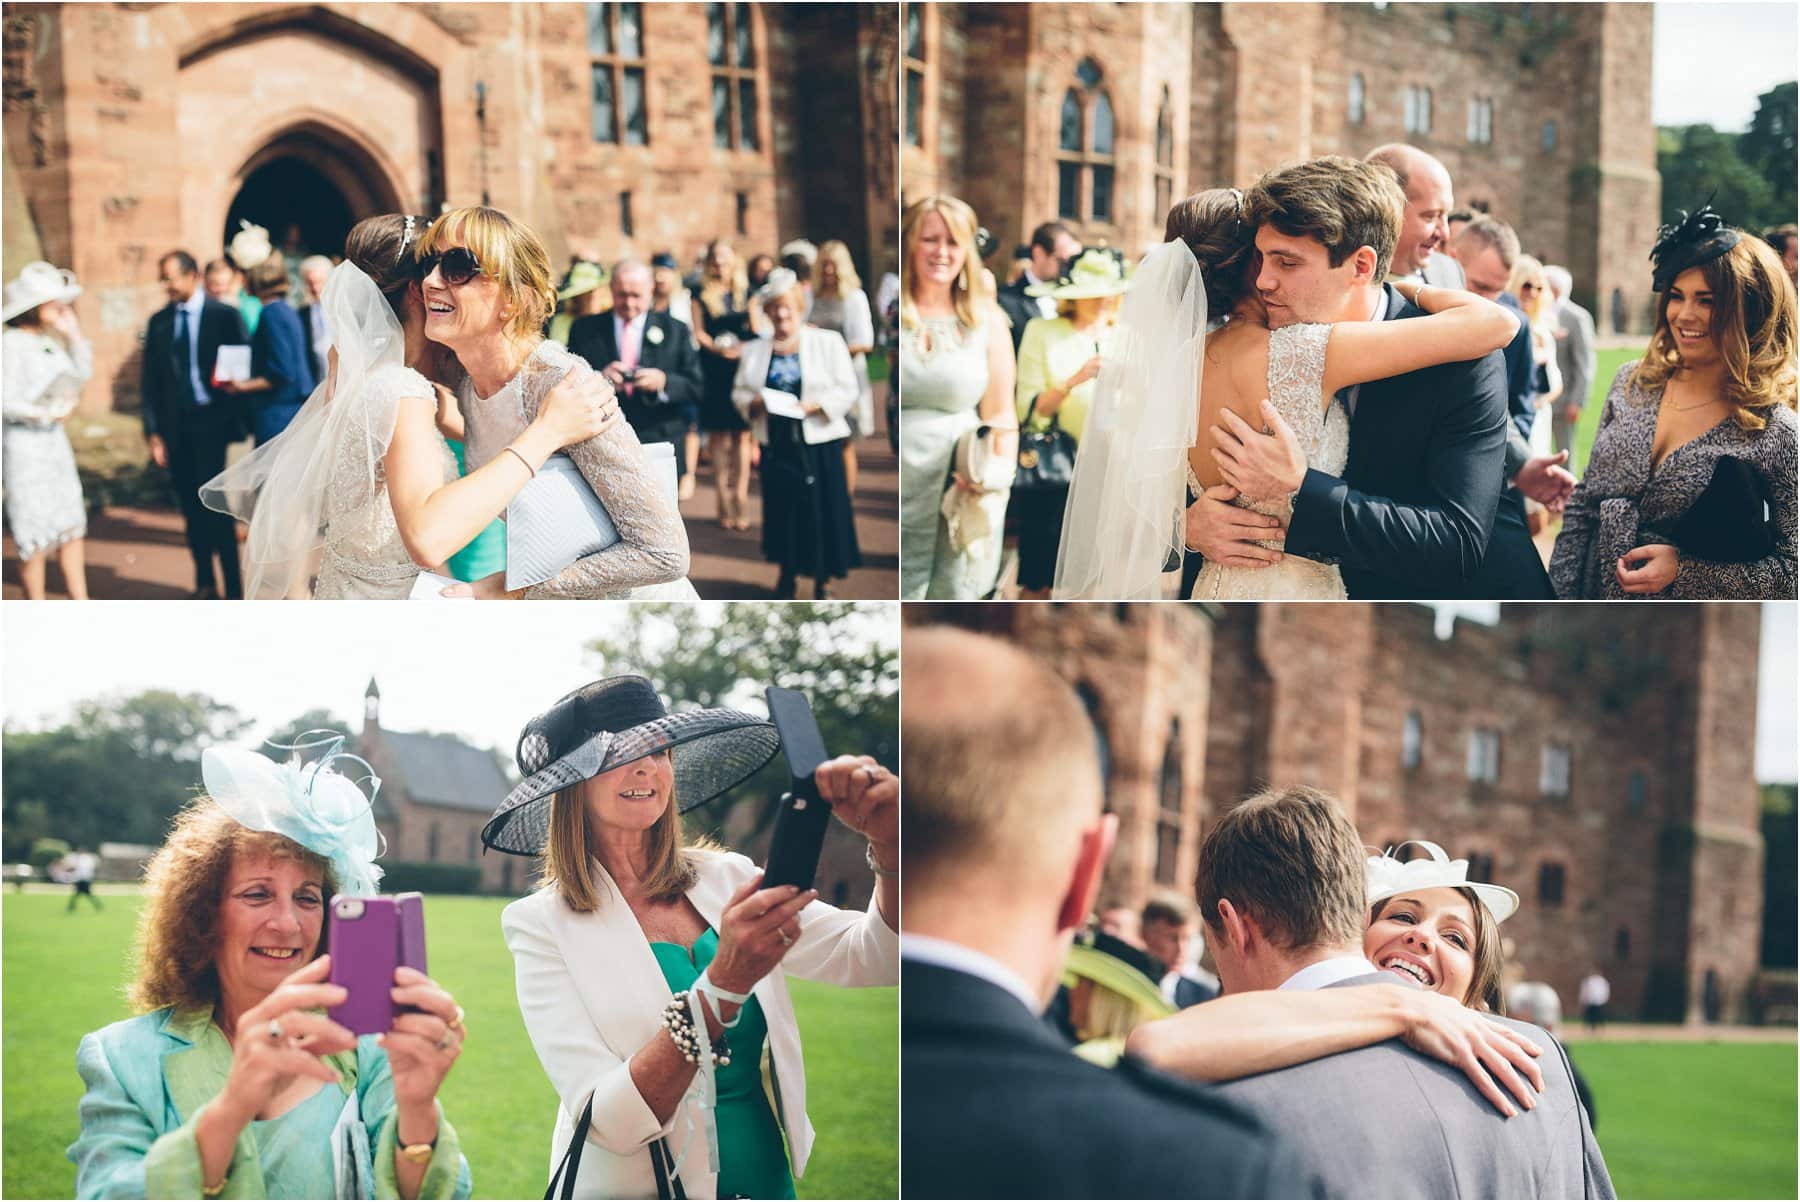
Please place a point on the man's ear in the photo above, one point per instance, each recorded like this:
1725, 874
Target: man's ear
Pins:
1090, 867
1362, 265
1236, 928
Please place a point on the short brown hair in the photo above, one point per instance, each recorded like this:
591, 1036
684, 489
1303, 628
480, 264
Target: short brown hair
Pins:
184, 884
1754, 323
568, 863
1781, 237
1490, 960
269, 277
992, 786
1290, 858
1343, 203
1167, 907
1213, 226
1492, 233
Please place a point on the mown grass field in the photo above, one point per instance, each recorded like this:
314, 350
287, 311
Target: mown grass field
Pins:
1694, 1120
64, 976
1606, 366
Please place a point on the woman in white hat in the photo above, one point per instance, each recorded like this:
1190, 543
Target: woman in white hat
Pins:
1431, 927
46, 362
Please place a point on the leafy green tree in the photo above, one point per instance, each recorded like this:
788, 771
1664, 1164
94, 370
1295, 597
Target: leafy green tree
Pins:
1769, 147
118, 769
844, 658
1698, 162
310, 723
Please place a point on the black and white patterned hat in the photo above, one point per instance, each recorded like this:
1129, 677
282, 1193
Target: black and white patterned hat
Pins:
612, 722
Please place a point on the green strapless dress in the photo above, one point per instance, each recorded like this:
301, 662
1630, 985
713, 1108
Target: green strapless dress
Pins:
752, 1155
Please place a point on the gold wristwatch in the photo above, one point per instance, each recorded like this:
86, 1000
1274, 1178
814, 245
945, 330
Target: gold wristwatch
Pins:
418, 1153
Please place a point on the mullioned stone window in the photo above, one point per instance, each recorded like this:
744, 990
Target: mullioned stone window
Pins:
616, 55
731, 54
1085, 141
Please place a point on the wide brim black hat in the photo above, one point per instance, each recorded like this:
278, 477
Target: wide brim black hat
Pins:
614, 721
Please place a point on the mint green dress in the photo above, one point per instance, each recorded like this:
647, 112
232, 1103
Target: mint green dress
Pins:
752, 1156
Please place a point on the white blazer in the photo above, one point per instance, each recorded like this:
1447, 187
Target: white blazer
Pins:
592, 994
827, 377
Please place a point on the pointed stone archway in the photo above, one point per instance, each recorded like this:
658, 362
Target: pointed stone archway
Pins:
307, 186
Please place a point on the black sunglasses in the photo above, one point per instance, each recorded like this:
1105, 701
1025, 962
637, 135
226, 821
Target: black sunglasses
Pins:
459, 265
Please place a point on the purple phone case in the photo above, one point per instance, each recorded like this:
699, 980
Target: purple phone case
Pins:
412, 930
363, 951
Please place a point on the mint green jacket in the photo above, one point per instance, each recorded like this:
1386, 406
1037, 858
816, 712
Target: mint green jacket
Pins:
148, 1078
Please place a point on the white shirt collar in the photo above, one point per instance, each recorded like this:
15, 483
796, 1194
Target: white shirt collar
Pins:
1321, 973
195, 302
1031, 278
635, 323
942, 953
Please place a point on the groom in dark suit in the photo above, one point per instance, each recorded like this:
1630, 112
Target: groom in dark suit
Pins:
648, 357
1006, 844
187, 421
1417, 513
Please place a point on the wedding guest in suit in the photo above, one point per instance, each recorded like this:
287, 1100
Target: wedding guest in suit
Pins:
721, 327
1690, 488
959, 376
1172, 934
647, 356
840, 304
1785, 241
809, 528
1424, 229
189, 421
668, 296
1005, 847
315, 270
225, 284
652, 970
230, 1081
1283, 890
45, 363
1574, 332
1488, 251
280, 377
1053, 247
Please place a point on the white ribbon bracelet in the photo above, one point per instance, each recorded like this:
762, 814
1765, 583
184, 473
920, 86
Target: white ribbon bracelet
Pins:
704, 984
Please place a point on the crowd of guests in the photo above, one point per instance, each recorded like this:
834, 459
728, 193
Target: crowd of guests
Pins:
999, 378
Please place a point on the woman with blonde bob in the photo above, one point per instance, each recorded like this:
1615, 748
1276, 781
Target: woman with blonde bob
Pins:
1690, 490
958, 359
231, 1082
488, 292
652, 972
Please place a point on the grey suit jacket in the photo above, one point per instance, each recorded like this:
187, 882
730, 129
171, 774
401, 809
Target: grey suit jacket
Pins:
1575, 354
1388, 1122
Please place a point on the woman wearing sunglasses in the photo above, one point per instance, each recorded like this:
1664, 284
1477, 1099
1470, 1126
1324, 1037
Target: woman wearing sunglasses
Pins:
360, 490
487, 290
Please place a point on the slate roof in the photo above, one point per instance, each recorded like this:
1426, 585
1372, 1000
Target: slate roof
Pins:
443, 770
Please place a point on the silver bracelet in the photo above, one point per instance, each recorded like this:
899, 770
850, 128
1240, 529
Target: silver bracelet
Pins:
878, 870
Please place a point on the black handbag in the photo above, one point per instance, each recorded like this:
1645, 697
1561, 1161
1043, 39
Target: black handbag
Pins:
1046, 458
1728, 522
668, 1185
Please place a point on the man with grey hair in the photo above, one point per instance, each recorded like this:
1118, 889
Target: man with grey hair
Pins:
1424, 226
1282, 891
1005, 846
1574, 357
315, 270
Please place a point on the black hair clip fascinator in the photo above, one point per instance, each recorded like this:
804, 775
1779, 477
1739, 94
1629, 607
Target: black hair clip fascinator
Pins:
1699, 237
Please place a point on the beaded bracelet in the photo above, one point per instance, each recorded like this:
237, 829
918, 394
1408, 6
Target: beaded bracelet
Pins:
688, 1042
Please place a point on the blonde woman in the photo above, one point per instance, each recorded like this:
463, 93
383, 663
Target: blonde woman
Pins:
957, 354
652, 973
1529, 283
722, 324
839, 304
488, 293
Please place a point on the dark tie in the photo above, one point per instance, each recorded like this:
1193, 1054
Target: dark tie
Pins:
182, 348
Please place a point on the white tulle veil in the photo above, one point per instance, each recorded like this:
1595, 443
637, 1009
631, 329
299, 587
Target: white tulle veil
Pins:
1122, 526
343, 429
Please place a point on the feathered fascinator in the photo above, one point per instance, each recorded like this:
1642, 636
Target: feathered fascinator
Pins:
1699, 237
313, 804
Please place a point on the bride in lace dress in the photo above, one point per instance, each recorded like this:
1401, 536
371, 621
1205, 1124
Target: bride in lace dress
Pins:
488, 291
361, 488
1171, 376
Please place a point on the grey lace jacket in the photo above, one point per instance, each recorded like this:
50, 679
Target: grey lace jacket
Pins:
1623, 502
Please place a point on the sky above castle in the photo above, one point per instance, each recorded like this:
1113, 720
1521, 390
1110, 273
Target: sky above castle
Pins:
1712, 60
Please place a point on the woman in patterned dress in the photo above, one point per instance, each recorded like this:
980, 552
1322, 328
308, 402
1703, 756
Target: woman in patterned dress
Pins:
1708, 412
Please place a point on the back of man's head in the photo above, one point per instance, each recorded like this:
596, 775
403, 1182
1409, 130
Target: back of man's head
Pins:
1044, 236
1404, 161
1485, 231
1560, 280
1289, 859
1001, 769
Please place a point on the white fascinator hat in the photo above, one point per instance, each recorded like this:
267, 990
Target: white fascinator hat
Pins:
1390, 877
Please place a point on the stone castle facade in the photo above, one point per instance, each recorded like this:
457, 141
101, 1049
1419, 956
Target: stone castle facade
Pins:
133, 129
1106, 113
1600, 765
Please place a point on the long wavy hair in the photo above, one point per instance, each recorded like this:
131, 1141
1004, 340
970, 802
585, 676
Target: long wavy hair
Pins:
184, 885
968, 292
1754, 325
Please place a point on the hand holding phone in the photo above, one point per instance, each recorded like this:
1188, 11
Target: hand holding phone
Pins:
370, 937
803, 815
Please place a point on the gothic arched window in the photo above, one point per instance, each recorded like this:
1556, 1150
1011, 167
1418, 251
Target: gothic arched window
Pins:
1085, 149
1168, 815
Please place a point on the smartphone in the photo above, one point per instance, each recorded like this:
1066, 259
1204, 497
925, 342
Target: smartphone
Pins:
802, 816
370, 937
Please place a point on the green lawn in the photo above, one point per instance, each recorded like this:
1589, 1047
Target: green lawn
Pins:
1607, 364
64, 974
1694, 1120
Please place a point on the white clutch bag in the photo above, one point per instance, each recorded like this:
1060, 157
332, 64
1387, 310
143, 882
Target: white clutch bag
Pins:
556, 519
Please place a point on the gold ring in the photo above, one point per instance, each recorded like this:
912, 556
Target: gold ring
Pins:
456, 1024
785, 940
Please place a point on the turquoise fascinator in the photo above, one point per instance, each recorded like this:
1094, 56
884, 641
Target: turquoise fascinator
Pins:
313, 803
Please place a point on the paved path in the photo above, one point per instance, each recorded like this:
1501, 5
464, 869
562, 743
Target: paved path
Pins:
140, 554
1576, 1033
